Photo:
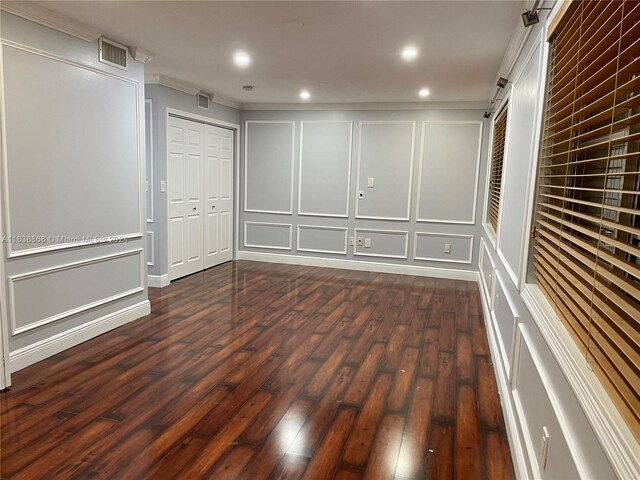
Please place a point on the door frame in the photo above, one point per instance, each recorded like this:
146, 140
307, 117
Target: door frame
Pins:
173, 112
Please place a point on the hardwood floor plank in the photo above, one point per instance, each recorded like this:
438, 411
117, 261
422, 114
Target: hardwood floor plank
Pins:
263, 371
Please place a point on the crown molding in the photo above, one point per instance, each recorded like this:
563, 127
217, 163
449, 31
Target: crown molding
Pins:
368, 106
51, 19
141, 55
188, 88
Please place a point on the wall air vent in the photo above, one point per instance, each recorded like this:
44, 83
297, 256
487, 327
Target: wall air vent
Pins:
113, 54
203, 101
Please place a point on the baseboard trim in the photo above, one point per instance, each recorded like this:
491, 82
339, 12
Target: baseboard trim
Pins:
518, 453
447, 273
35, 352
158, 281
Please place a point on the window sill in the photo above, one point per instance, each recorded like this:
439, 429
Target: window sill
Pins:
617, 440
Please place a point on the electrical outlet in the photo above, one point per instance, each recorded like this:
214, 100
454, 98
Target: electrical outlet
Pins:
367, 243
163, 186
360, 239
370, 182
447, 248
544, 447
352, 241
360, 194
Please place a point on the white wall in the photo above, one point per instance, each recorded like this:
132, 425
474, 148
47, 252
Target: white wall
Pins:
305, 188
73, 170
537, 387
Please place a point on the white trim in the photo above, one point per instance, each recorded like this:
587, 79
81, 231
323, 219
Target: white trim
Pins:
152, 253
13, 279
488, 288
289, 225
7, 209
391, 232
35, 352
51, 19
615, 437
158, 281
565, 428
317, 227
421, 163
506, 101
360, 265
518, 453
359, 161
346, 214
201, 119
141, 55
188, 88
507, 356
518, 277
151, 185
533, 173
293, 154
367, 106
446, 235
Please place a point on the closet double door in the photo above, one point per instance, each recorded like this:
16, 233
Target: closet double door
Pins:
200, 196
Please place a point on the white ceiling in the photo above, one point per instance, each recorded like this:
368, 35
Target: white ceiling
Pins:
342, 52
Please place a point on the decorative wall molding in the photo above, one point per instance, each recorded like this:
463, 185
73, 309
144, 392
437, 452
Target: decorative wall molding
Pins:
151, 255
614, 435
366, 106
518, 453
141, 55
506, 354
411, 164
348, 197
150, 180
35, 352
315, 227
360, 265
421, 163
445, 235
4, 161
188, 88
13, 279
289, 226
51, 19
403, 233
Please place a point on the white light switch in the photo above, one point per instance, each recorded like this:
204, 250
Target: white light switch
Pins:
447, 248
370, 182
367, 243
163, 186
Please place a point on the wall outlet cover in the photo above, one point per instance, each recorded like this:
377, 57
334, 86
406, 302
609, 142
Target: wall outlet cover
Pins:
352, 241
360, 239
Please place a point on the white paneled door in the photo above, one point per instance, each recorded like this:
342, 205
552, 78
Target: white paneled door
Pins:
218, 183
199, 188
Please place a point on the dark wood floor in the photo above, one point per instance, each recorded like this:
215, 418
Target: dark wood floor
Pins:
262, 371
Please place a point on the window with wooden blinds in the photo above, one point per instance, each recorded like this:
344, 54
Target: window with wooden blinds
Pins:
495, 176
587, 250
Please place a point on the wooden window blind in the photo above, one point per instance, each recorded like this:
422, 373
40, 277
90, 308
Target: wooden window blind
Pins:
497, 158
587, 249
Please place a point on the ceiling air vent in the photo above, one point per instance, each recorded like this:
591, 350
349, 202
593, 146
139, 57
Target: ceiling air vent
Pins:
203, 101
113, 54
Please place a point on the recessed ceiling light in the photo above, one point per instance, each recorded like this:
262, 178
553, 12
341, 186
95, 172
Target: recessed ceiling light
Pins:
409, 53
305, 95
242, 59
424, 93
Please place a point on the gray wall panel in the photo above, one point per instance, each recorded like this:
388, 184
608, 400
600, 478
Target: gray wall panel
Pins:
276, 236
450, 158
431, 246
322, 239
325, 168
384, 243
269, 167
386, 156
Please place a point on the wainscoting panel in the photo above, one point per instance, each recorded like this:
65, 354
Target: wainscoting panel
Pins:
69, 293
431, 247
319, 239
384, 243
268, 235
